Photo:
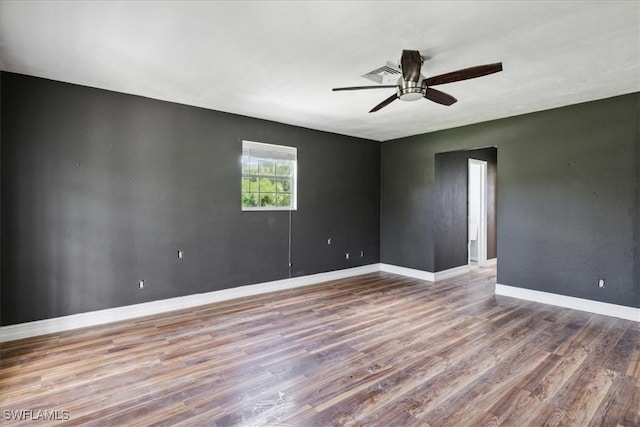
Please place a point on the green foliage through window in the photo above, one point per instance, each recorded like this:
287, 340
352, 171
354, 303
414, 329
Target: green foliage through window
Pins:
268, 176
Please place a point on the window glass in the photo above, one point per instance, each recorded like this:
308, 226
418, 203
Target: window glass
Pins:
268, 176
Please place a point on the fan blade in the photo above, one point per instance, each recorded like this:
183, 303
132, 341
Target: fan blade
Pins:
363, 87
384, 103
411, 63
439, 97
464, 74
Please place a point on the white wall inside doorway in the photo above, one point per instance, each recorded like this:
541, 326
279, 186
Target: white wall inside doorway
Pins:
477, 212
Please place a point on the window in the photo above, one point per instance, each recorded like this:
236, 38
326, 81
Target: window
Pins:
268, 176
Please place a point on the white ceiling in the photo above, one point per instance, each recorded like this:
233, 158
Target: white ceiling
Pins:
279, 60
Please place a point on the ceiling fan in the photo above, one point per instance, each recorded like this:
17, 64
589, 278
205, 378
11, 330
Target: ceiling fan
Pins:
413, 85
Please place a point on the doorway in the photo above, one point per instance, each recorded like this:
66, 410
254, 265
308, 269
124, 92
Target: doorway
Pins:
477, 213
453, 228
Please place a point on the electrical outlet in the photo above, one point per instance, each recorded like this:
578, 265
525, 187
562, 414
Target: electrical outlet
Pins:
180, 254
601, 283
361, 254
141, 284
346, 256
329, 241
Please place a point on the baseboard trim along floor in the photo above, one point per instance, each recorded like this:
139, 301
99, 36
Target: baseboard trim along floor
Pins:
409, 272
99, 317
614, 310
116, 314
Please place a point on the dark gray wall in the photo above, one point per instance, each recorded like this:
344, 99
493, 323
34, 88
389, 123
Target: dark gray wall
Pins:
101, 189
451, 206
0, 195
406, 204
568, 210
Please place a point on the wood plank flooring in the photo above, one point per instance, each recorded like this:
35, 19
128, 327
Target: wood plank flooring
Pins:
374, 350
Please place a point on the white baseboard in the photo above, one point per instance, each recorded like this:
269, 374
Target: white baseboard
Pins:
425, 275
99, 317
491, 262
409, 272
614, 310
452, 272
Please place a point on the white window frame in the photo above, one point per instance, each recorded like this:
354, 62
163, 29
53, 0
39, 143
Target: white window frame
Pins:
261, 151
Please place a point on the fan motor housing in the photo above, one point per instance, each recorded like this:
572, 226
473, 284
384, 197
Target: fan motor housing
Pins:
410, 91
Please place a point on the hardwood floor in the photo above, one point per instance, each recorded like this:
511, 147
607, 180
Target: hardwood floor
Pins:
375, 350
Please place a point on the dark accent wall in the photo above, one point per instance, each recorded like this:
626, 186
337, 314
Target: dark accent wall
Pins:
451, 207
568, 203
101, 189
0, 196
406, 204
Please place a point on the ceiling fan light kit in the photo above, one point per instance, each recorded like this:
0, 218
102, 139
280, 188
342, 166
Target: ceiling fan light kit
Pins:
410, 91
412, 85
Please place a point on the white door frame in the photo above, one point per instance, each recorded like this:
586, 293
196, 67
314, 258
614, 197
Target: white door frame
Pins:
482, 223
